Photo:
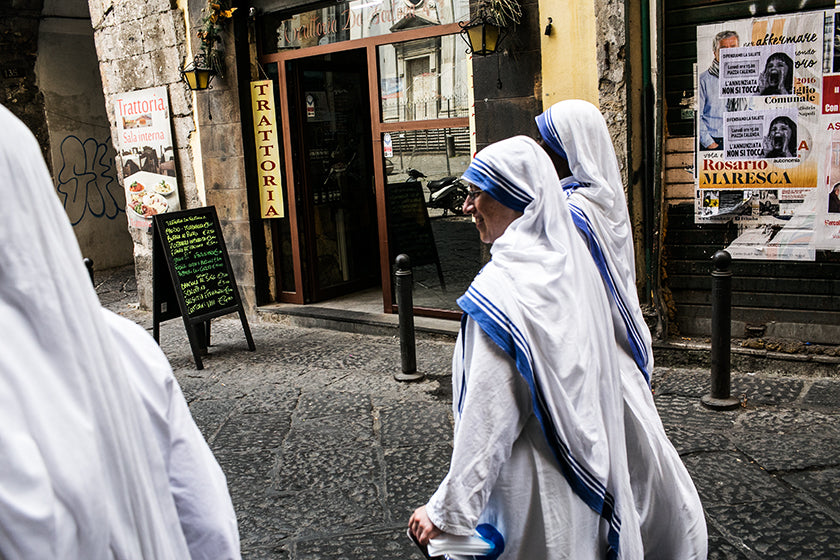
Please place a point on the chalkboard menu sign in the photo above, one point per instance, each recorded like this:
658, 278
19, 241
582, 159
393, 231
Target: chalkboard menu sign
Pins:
192, 276
409, 228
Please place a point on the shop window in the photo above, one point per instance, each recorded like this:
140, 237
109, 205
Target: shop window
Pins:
359, 19
424, 197
423, 79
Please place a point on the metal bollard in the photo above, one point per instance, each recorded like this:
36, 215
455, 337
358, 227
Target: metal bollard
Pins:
405, 307
719, 398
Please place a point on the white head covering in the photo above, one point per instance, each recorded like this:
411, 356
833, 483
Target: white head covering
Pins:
81, 475
540, 299
576, 130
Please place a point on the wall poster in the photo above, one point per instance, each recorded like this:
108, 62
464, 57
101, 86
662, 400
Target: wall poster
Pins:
763, 141
146, 155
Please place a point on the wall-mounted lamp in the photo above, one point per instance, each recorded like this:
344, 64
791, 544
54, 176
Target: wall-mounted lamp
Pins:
198, 74
482, 34
548, 28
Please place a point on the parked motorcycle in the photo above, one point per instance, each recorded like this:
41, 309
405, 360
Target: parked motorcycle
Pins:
448, 193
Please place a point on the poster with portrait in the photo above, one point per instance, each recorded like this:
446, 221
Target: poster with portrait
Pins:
827, 204
146, 155
759, 129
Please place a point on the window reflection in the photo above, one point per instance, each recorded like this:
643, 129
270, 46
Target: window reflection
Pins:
424, 197
423, 79
358, 19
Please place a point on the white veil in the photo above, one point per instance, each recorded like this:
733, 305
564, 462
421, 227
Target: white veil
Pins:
576, 130
81, 475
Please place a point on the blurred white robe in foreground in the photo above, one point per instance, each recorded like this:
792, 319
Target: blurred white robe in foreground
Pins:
83, 461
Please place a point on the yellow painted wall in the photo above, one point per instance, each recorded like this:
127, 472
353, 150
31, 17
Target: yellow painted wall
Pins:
569, 57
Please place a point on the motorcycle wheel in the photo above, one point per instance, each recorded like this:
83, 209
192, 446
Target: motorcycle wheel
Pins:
456, 203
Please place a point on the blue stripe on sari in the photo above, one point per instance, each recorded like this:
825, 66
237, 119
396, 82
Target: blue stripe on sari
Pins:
504, 333
637, 346
498, 186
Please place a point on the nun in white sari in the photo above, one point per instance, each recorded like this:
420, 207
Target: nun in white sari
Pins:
539, 449
671, 515
99, 456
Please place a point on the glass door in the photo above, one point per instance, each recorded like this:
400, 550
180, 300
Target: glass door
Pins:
329, 107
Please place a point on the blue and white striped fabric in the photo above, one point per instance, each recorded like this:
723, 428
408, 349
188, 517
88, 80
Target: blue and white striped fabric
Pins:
576, 130
540, 299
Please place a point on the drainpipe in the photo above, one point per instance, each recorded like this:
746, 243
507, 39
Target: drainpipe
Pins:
652, 162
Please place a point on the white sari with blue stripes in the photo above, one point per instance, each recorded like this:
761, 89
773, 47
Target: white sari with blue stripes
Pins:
540, 301
670, 511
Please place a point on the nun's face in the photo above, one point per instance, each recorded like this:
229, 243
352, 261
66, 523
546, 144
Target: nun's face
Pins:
491, 217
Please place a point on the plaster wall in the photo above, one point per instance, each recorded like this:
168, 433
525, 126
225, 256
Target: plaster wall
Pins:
584, 58
82, 155
569, 56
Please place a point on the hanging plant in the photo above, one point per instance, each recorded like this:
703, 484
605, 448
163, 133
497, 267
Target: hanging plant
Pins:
505, 12
210, 33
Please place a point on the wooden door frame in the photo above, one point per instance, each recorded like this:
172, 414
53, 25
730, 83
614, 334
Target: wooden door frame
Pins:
370, 44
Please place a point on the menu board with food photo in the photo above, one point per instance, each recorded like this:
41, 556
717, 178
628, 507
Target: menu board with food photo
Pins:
146, 155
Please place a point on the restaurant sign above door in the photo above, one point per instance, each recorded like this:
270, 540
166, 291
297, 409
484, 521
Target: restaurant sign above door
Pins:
359, 19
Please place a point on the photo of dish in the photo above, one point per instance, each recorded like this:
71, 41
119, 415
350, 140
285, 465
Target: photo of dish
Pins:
165, 188
148, 205
148, 194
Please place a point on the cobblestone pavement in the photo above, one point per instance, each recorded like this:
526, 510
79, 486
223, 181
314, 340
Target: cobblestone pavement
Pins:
326, 454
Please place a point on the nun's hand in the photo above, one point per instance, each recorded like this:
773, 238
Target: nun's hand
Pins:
422, 527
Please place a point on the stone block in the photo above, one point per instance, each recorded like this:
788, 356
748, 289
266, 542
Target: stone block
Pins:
231, 205
238, 237
180, 99
136, 72
166, 65
125, 12
805, 533
182, 129
354, 430
243, 268
129, 39
410, 485
104, 42
387, 544
158, 31
110, 74
224, 173
222, 140
221, 104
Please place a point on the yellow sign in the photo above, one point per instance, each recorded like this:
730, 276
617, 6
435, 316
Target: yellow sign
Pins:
269, 172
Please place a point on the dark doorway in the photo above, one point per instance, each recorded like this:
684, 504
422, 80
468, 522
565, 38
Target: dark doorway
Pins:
336, 204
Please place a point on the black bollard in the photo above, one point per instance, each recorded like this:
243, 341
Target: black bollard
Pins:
405, 308
719, 398
89, 264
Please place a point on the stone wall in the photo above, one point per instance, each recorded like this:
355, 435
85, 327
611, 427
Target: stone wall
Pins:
19, 51
612, 48
143, 44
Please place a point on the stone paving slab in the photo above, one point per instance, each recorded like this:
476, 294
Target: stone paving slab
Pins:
823, 392
413, 474
381, 544
821, 485
731, 478
784, 528
748, 388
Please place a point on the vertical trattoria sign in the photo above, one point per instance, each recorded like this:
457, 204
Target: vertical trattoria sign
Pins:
268, 149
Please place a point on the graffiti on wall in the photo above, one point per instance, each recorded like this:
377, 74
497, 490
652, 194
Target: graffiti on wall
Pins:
86, 181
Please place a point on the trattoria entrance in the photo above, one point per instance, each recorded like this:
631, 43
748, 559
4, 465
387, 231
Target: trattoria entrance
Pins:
332, 163
368, 95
